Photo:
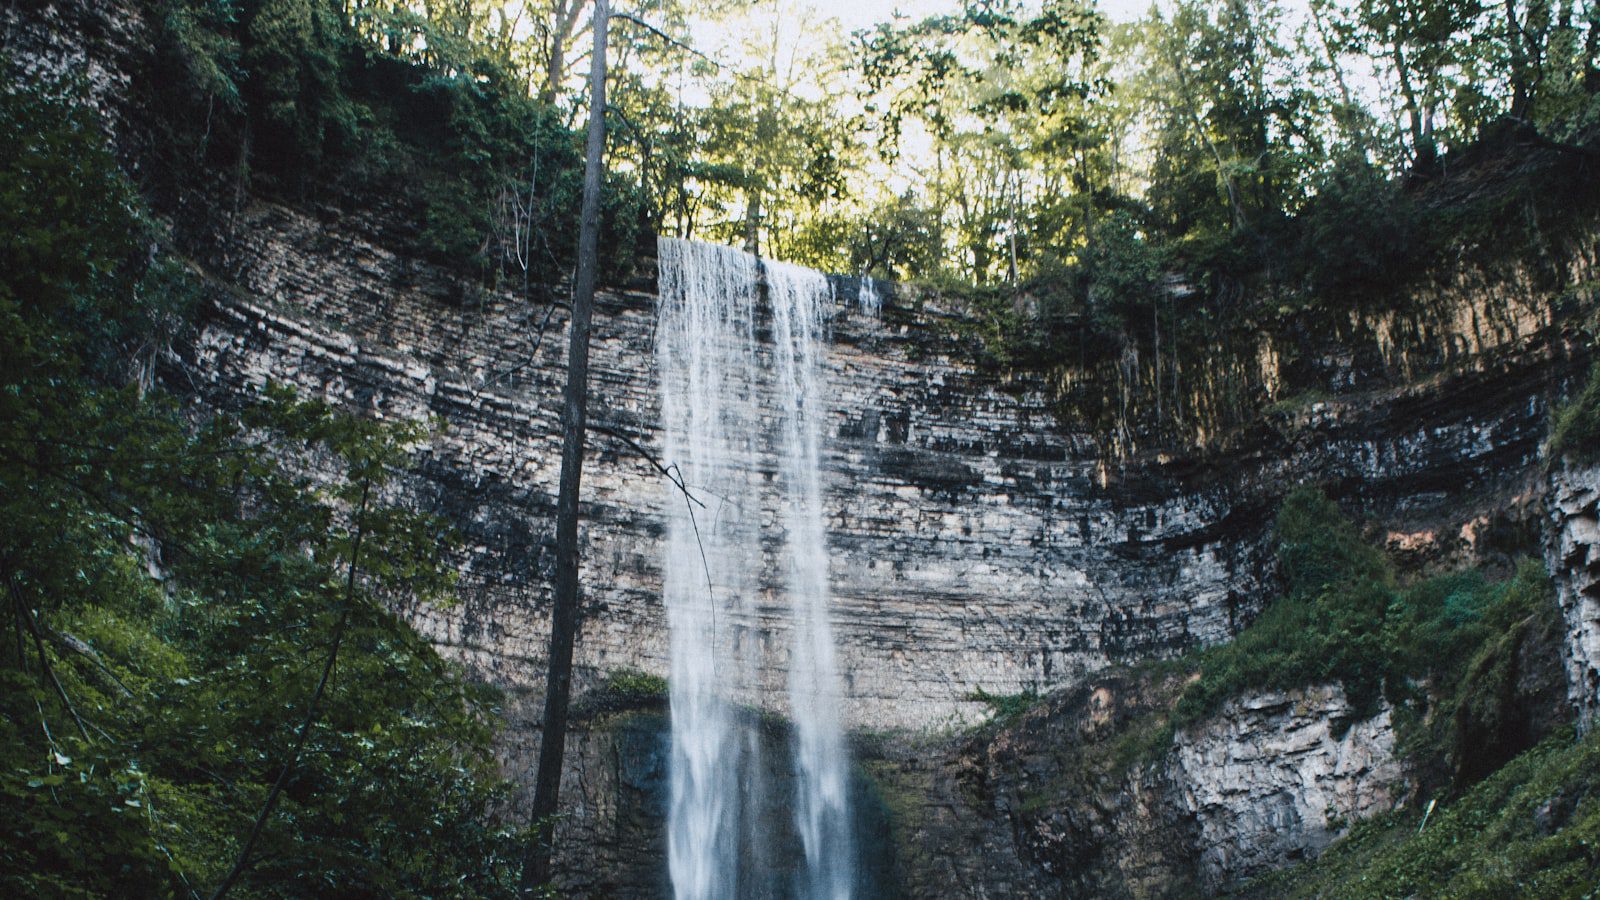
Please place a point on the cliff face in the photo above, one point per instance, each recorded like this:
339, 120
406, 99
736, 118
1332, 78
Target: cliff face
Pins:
1276, 776
977, 541
1080, 797
1573, 554
973, 546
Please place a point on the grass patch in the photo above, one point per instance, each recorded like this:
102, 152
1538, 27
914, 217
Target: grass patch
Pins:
1005, 708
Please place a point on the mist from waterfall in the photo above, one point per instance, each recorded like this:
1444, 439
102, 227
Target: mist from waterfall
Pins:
730, 399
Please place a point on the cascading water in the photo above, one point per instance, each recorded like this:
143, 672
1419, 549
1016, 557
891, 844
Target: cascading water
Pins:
797, 296
728, 400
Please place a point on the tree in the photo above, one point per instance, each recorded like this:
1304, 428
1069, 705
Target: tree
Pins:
167, 580
1009, 101
574, 425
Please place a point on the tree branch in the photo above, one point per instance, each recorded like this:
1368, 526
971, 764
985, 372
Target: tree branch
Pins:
339, 629
44, 658
676, 477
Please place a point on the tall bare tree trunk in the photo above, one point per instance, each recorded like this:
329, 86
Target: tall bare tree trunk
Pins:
574, 415
752, 222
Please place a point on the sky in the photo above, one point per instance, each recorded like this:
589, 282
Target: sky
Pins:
721, 39
862, 13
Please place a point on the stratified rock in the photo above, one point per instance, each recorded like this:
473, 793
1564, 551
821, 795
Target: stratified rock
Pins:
1573, 556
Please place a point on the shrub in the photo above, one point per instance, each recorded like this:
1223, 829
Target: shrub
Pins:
1005, 707
1575, 434
633, 683
1343, 619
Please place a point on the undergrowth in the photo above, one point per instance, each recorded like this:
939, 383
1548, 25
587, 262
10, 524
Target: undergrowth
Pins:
1532, 829
1345, 618
1005, 708
635, 683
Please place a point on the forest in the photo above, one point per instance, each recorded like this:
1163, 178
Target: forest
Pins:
211, 686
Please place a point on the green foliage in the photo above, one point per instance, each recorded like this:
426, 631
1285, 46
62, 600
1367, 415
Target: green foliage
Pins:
1005, 708
1358, 234
172, 589
634, 683
1575, 434
1122, 271
1444, 649
72, 298
351, 101
1328, 626
1532, 829
299, 107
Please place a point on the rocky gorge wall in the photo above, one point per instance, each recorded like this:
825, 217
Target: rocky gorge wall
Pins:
977, 543
1271, 778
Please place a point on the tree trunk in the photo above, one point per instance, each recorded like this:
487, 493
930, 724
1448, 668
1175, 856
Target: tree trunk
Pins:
1422, 155
563, 22
1517, 45
752, 222
564, 615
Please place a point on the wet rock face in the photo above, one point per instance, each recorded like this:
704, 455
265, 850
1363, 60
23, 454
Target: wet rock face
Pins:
1573, 555
612, 837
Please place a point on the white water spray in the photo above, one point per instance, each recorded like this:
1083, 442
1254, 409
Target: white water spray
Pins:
725, 398
868, 299
821, 809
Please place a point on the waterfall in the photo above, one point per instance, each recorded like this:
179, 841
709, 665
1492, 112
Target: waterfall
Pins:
867, 298
730, 400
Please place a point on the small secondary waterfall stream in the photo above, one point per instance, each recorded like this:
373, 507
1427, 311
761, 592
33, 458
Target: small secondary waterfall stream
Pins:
729, 401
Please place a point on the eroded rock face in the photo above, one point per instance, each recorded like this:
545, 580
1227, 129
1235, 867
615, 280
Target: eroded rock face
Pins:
1099, 802
1276, 777
972, 542
1573, 555
95, 45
